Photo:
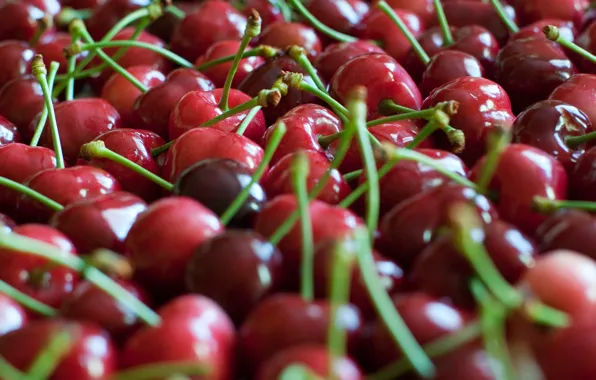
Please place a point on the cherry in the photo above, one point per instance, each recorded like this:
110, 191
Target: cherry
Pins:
193, 329
269, 11
122, 94
100, 222
284, 34
36, 276
586, 41
20, 20
20, 101
536, 174
335, 55
82, 4
8, 132
213, 143
16, 61
340, 15
424, 9
431, 41
109, 13
6, 223
383, 79
213, 21
448, 65
219, 72
468, 362
283, 321
478, 41
52, 49
411, 225
529, 11
566, 29
153, 108
530, 69
315, 357
215, 183
581, 177
568, 230
12, 315
163, 239
578, 91
164, 26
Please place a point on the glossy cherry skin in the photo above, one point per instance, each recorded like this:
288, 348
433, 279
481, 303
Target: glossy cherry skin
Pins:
19, 20
587, 41
219, 72
7, 223
340, 15
36, 276
278, 180
252, 267
12, 315
213, 21
377, 26
188, 322
411, 225
336, 54
52, 49
109, 13
100, 222
530, 69
16, 61
545, 125
536, 173
216, 183
153, 108
92, 355
20, 101
89, 303
314, 357
446, 66
581, 178
8, 132
382, 77
66, 186
198, 107
268, 10
79, 122
284, 34
579, 91
424, 9
483, 107
432, 42
566, 29
164, 26
529, 11
213, 143
573, 230
135, 145
283, 321
163, 239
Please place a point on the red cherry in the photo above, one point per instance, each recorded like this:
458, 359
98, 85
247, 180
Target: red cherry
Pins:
431, 41
468, 362
52, 49
579, 91
581, 178
19, 20
20, 101
529, 11
12, 315
8, 132
587, 41
83, 4
335, 55
16, 60
7, 223
109, 13
36, 276
566, 29
573, 230
193, 329
448, 65
163, 238
425, 9
339, 15
284, 34
478, 41
268, 10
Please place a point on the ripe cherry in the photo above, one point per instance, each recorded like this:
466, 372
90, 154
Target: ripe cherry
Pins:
20, 101
529, 11
425, 9
268, 10
446, 66
19, 20
16, 61
284, 34
573, 230
12, 315
340, 15
581, 177
109, 13
8, 132
566, 29
52, 46
336, 54
579, 91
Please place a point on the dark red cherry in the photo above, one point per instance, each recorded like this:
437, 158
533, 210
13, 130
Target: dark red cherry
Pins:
579, 91
566, 29
213, 21
82, 4
581, 178
446, 66
36, 276
278, 180
530, 69
52, 49
269, 11
16, 60
382, 77
91, 356
573, 230
236, 269
340, 15
109, 13
194, 329
153, 108
20, 101
283, 34
52, 7
8, 132
335, 55
100, 222
19, 20
432, 42
12, 315
164, 26
411, 225
529, 11
219, 72
216, 183
478, 41
587, 41
285, 320
467, 362
483, 107
524, 172
163, 239
425, 9
545, 125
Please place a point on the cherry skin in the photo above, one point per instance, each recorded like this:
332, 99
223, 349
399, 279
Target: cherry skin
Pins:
16, 61
336, 54
545, 125
529, 11
268, 10
383, 79
473, 117
20, 101
188, 322
164, 26
284, 34
213, 21
278, 180
109, 13
432, 42
283, 321
215, 183
448, 65
213, 143
581, 177
163, 239
219, 72
135, 145
8, 132
572, 230
36, 276
479, 42
92, 355
12, 315
153, 108
587, 41
19, 20
100, 222
252, 267
7, 223
340, 15
52, 49
468, 362
82, 4
579, 91
425, 9
566, 29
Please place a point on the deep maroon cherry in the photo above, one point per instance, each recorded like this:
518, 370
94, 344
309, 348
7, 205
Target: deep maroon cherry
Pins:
109, 13
446, 66
20, 101
581, 178
164, 26
573, 230
425, 9
82, 4
529, 11
12, 315
19, 20
269, 11
479, 42
579, 91
340, 15
586, 40
566, 29
16, 60
335, 55
284, 34
8, 132
431, 41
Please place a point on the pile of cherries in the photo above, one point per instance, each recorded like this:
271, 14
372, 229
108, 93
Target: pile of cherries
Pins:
288, 189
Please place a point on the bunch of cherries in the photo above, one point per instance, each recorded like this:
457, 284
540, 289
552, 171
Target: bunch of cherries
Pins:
288, 189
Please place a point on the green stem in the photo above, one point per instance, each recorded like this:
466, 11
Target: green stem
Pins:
72, 65
497, 143
27, 301
246, 121
575, 141
98, 149
447, 36
259, 51
431, 127
298, 372
552, 33
39, 197
318, 25
388, 107
545, 315
337, 107
67, 15
49, 358
298, 54
503, 16
547, 205
177, 12
10, 372
423, 114
276, 137
43, 119
162, 371
352, 176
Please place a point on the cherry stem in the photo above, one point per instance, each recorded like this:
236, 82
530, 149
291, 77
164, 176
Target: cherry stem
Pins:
509, 24
353, 175
253, 29
98, 149
388, 107
67, 15
298, 54
497, 143
248, 119
264, 51
540, 313
318, 25
39, 197
450, 108
38, 69
10, 372
174, 10
552, 33
110, 263
445, 30
397, 327
299, 372
299, 176
43, 24
430, 128
27, 301
43, 119
163, 370
276, 137
548, 206
575, 141
53, 352
296, 80
38, 248
72, 64
418, 49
